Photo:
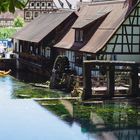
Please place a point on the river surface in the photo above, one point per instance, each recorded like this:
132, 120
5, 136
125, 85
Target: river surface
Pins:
25, 119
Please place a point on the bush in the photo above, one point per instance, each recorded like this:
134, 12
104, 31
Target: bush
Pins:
6, 32
19, 22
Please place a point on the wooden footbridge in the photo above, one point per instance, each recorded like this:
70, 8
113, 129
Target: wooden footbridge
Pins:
110, 68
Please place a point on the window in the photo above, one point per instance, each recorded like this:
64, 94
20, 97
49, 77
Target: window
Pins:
36, 14
37, 4
37, 52
79, 35
78, 59
20, 48
32, 4
47, 52
31, 49
43, 4
28, 14
49, 4
90, 57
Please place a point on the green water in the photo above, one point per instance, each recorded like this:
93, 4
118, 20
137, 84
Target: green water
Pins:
25, 119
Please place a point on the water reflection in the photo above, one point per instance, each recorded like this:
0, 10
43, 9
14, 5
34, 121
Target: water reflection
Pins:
24, 119
29, 77
105, 121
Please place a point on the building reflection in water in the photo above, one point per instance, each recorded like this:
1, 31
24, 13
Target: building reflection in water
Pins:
117, 120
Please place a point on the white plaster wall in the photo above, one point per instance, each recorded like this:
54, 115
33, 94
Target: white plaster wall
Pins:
135, 58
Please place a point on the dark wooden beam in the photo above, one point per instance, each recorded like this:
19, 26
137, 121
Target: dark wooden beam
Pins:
127, 39
87, 81
111, 81
134, 90
113, 50
139, 40
137, 16
92, 63
134, 16
131, 53
122, 39
132, 32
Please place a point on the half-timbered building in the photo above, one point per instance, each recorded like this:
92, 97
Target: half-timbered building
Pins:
35, 7
33, 43
103, 30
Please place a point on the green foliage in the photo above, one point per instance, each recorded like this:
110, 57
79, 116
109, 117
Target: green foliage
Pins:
19, 22
11, 5
57, 108
33, 92
7, 32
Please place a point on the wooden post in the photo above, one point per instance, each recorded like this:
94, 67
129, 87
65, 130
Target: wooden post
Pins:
87, 81
111, 81
134, 81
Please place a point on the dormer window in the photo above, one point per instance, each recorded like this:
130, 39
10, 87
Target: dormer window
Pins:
79, 36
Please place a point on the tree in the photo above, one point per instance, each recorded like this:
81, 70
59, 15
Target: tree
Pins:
11, 5
18, 21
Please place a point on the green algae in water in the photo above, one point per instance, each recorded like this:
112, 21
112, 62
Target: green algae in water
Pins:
23, 90
109, 116
37, 93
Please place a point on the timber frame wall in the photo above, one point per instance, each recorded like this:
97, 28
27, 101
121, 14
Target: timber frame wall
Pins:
127, 39
35, 7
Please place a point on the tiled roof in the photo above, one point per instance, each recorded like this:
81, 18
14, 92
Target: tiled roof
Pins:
118, 11
90, 13
36, 30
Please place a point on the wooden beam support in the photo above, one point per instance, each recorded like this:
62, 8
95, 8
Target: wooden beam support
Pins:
134, 90
87, 81
111, 80
134, 69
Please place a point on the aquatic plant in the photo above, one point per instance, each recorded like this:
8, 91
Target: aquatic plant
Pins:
35, 92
